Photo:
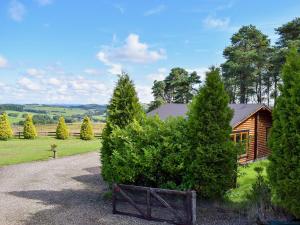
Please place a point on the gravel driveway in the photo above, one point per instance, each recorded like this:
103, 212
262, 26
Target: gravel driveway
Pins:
69, 191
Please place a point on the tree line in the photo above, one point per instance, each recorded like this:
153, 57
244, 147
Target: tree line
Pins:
251, 72
29, 129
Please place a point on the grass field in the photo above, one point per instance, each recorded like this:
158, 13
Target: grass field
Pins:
16, 151
247, 176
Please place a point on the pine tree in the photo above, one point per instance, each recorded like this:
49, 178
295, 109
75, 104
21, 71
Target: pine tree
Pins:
284, 167
124, 108
29, 128
212, 160
5, 128
62, 131
86, 130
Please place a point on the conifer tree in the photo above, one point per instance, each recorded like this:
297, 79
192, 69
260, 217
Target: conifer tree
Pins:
62, 131
5, 128
284, 167
29, 128
212, 159
86, 130
124, 108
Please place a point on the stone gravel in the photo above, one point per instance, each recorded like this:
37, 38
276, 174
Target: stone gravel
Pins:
69, 191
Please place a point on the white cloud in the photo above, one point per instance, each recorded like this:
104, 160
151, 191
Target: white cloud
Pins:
155, 10
200, 71
115, 68
3, 62
44, 2
160, 74
211, 22
35, 72
92, 71
144, 93
133, 51
16, 10
28, 84
55, 82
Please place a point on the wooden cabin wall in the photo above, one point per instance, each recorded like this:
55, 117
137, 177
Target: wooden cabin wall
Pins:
249, 125
264, 121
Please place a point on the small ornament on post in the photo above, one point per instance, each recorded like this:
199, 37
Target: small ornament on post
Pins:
53, 149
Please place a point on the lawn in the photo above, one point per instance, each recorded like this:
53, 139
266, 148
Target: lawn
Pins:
247, 177
16, 151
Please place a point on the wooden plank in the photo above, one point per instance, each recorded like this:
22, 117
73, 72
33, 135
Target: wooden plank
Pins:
132, 202
163, 202
158, 190
194, 207
148, 204
114, 202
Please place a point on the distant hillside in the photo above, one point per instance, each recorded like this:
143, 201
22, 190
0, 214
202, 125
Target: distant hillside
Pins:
48, 114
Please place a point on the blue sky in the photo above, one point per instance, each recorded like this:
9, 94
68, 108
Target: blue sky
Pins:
63, 51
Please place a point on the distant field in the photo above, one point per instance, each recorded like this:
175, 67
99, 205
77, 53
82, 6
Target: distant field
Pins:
16, 151
73, 127
70, 113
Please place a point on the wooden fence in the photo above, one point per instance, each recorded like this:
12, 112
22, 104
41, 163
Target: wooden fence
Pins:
20, 134
163, 205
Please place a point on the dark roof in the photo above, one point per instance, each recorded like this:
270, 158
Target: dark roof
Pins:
241, 111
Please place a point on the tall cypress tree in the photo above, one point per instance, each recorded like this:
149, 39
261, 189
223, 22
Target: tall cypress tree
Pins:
5, 128
29, 128
212, 159
62, 131
124, 107
284, 167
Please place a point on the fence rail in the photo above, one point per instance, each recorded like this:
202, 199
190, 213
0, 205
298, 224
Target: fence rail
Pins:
20, 134
164, 205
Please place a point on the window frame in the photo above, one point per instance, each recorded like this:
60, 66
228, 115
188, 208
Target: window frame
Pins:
241, 132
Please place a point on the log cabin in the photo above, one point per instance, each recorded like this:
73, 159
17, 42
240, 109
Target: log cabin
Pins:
250, 123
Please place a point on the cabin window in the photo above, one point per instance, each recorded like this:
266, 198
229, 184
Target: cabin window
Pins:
242, 138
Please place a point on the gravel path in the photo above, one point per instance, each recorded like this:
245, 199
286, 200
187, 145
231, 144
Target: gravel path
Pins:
69, 191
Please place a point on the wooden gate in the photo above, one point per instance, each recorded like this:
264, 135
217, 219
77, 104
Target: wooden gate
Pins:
177, 207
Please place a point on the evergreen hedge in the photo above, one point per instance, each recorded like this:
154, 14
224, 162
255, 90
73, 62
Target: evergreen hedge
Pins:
284, 167
5, 128
29, 128
62, 131
178, 153
86, 129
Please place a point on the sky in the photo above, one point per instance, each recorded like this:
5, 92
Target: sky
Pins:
70, 52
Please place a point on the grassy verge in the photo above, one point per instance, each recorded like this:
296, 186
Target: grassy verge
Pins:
247, 176
16, 151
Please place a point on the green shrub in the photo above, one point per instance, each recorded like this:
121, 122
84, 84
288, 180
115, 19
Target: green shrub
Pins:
260, 192
284, 167
29, 128
62, 131
150, 153
123, 108
178, 153
259, 198
86, 129
5, 128
212, 161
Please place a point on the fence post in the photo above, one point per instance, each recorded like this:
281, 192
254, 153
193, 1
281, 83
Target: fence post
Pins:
114, 198
194, 207
148, 204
